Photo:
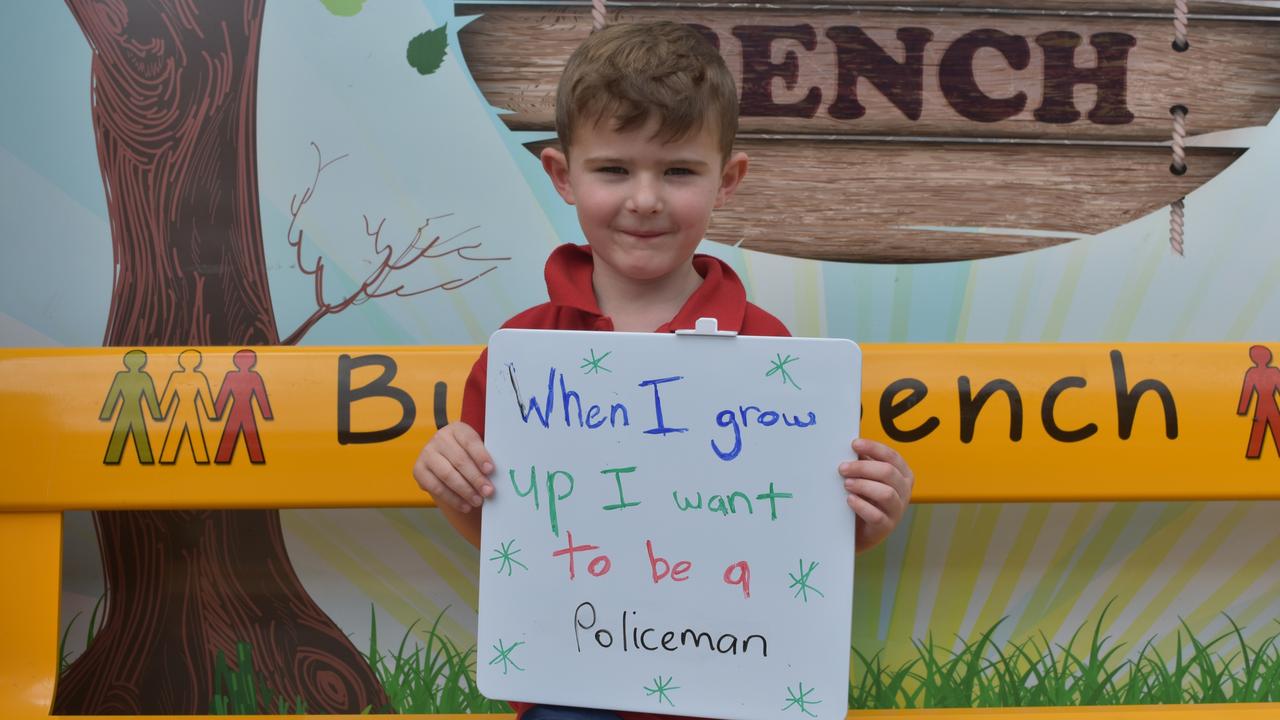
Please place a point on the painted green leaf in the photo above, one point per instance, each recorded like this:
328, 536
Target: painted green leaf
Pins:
426, 51
344, 8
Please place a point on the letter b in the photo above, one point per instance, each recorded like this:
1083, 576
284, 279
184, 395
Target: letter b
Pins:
660, 567
380, 387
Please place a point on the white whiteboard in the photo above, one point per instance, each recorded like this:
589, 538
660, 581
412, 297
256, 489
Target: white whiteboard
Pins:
750, 614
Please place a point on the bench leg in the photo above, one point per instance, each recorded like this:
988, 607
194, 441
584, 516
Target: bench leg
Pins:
31, 562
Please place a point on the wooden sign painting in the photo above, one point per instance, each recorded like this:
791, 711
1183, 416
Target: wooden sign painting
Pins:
1197, 8
872, 127
968, 76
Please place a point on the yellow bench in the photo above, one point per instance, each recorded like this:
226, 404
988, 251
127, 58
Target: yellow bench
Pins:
1080, 402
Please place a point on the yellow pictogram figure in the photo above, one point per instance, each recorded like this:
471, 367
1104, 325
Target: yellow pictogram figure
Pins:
187, 401
130, 388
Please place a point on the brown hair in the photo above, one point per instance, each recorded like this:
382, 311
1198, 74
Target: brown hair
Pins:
629, 73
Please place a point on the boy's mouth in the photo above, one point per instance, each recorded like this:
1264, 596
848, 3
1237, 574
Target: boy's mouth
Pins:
643, 234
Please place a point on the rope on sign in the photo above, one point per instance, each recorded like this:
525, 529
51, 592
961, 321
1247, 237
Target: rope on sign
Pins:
597, 14
1177, 211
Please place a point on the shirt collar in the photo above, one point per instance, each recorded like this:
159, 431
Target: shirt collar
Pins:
721, 294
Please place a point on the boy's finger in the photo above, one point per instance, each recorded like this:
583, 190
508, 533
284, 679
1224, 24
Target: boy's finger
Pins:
882, 452
881, 473
905, 481
438, 470
873, 469
870, 514
439, 492
475, 449
453, 480
882, 495
421, 476
461, 461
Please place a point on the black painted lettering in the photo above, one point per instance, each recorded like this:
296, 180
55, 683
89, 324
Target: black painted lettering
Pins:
759, 70
1061, 76
857, 55
891, 410
1051, 423
1127, 400
970, 407
440, 404
960, 86
378, 387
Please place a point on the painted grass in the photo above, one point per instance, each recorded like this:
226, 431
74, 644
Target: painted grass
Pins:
439, 677
1037, 673
435, 678
241, 691
64, 657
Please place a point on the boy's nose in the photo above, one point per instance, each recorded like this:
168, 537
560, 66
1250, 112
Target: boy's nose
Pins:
645, 200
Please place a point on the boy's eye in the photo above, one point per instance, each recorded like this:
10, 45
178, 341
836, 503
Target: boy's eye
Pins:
680, 171
613, 170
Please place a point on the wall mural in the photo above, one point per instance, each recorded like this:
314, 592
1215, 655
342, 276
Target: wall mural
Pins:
174, 97
248, 173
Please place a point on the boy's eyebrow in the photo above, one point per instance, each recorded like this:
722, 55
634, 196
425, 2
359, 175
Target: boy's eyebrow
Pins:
622, 161
606, 160
690, 161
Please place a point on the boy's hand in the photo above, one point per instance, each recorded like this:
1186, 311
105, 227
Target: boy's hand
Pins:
879, 484
454, 467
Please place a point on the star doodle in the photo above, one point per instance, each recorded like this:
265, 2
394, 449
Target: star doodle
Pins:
507, 556
800, 700
592, 364
661, 688
801, 583
780, 366
504, 656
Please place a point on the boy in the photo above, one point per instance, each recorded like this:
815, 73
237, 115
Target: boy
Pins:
646, 116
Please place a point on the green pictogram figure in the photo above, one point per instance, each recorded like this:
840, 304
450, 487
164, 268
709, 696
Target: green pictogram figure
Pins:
187, 401
128, 390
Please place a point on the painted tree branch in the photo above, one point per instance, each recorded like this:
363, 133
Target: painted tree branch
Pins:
379, 282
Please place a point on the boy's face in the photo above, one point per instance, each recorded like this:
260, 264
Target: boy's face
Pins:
643, 204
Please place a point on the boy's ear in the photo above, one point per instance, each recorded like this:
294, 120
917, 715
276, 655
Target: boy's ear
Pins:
556, 165
735, 168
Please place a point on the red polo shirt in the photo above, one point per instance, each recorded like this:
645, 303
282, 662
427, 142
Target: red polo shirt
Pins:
573, 306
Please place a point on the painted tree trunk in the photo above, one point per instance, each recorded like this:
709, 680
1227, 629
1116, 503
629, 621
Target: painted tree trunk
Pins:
174, 87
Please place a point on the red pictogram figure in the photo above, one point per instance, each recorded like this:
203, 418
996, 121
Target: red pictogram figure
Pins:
1263, 380
241, 387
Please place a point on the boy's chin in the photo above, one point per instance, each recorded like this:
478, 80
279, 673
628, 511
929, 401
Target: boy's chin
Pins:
642, 269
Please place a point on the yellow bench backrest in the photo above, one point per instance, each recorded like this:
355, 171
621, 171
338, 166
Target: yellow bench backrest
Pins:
977, 422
